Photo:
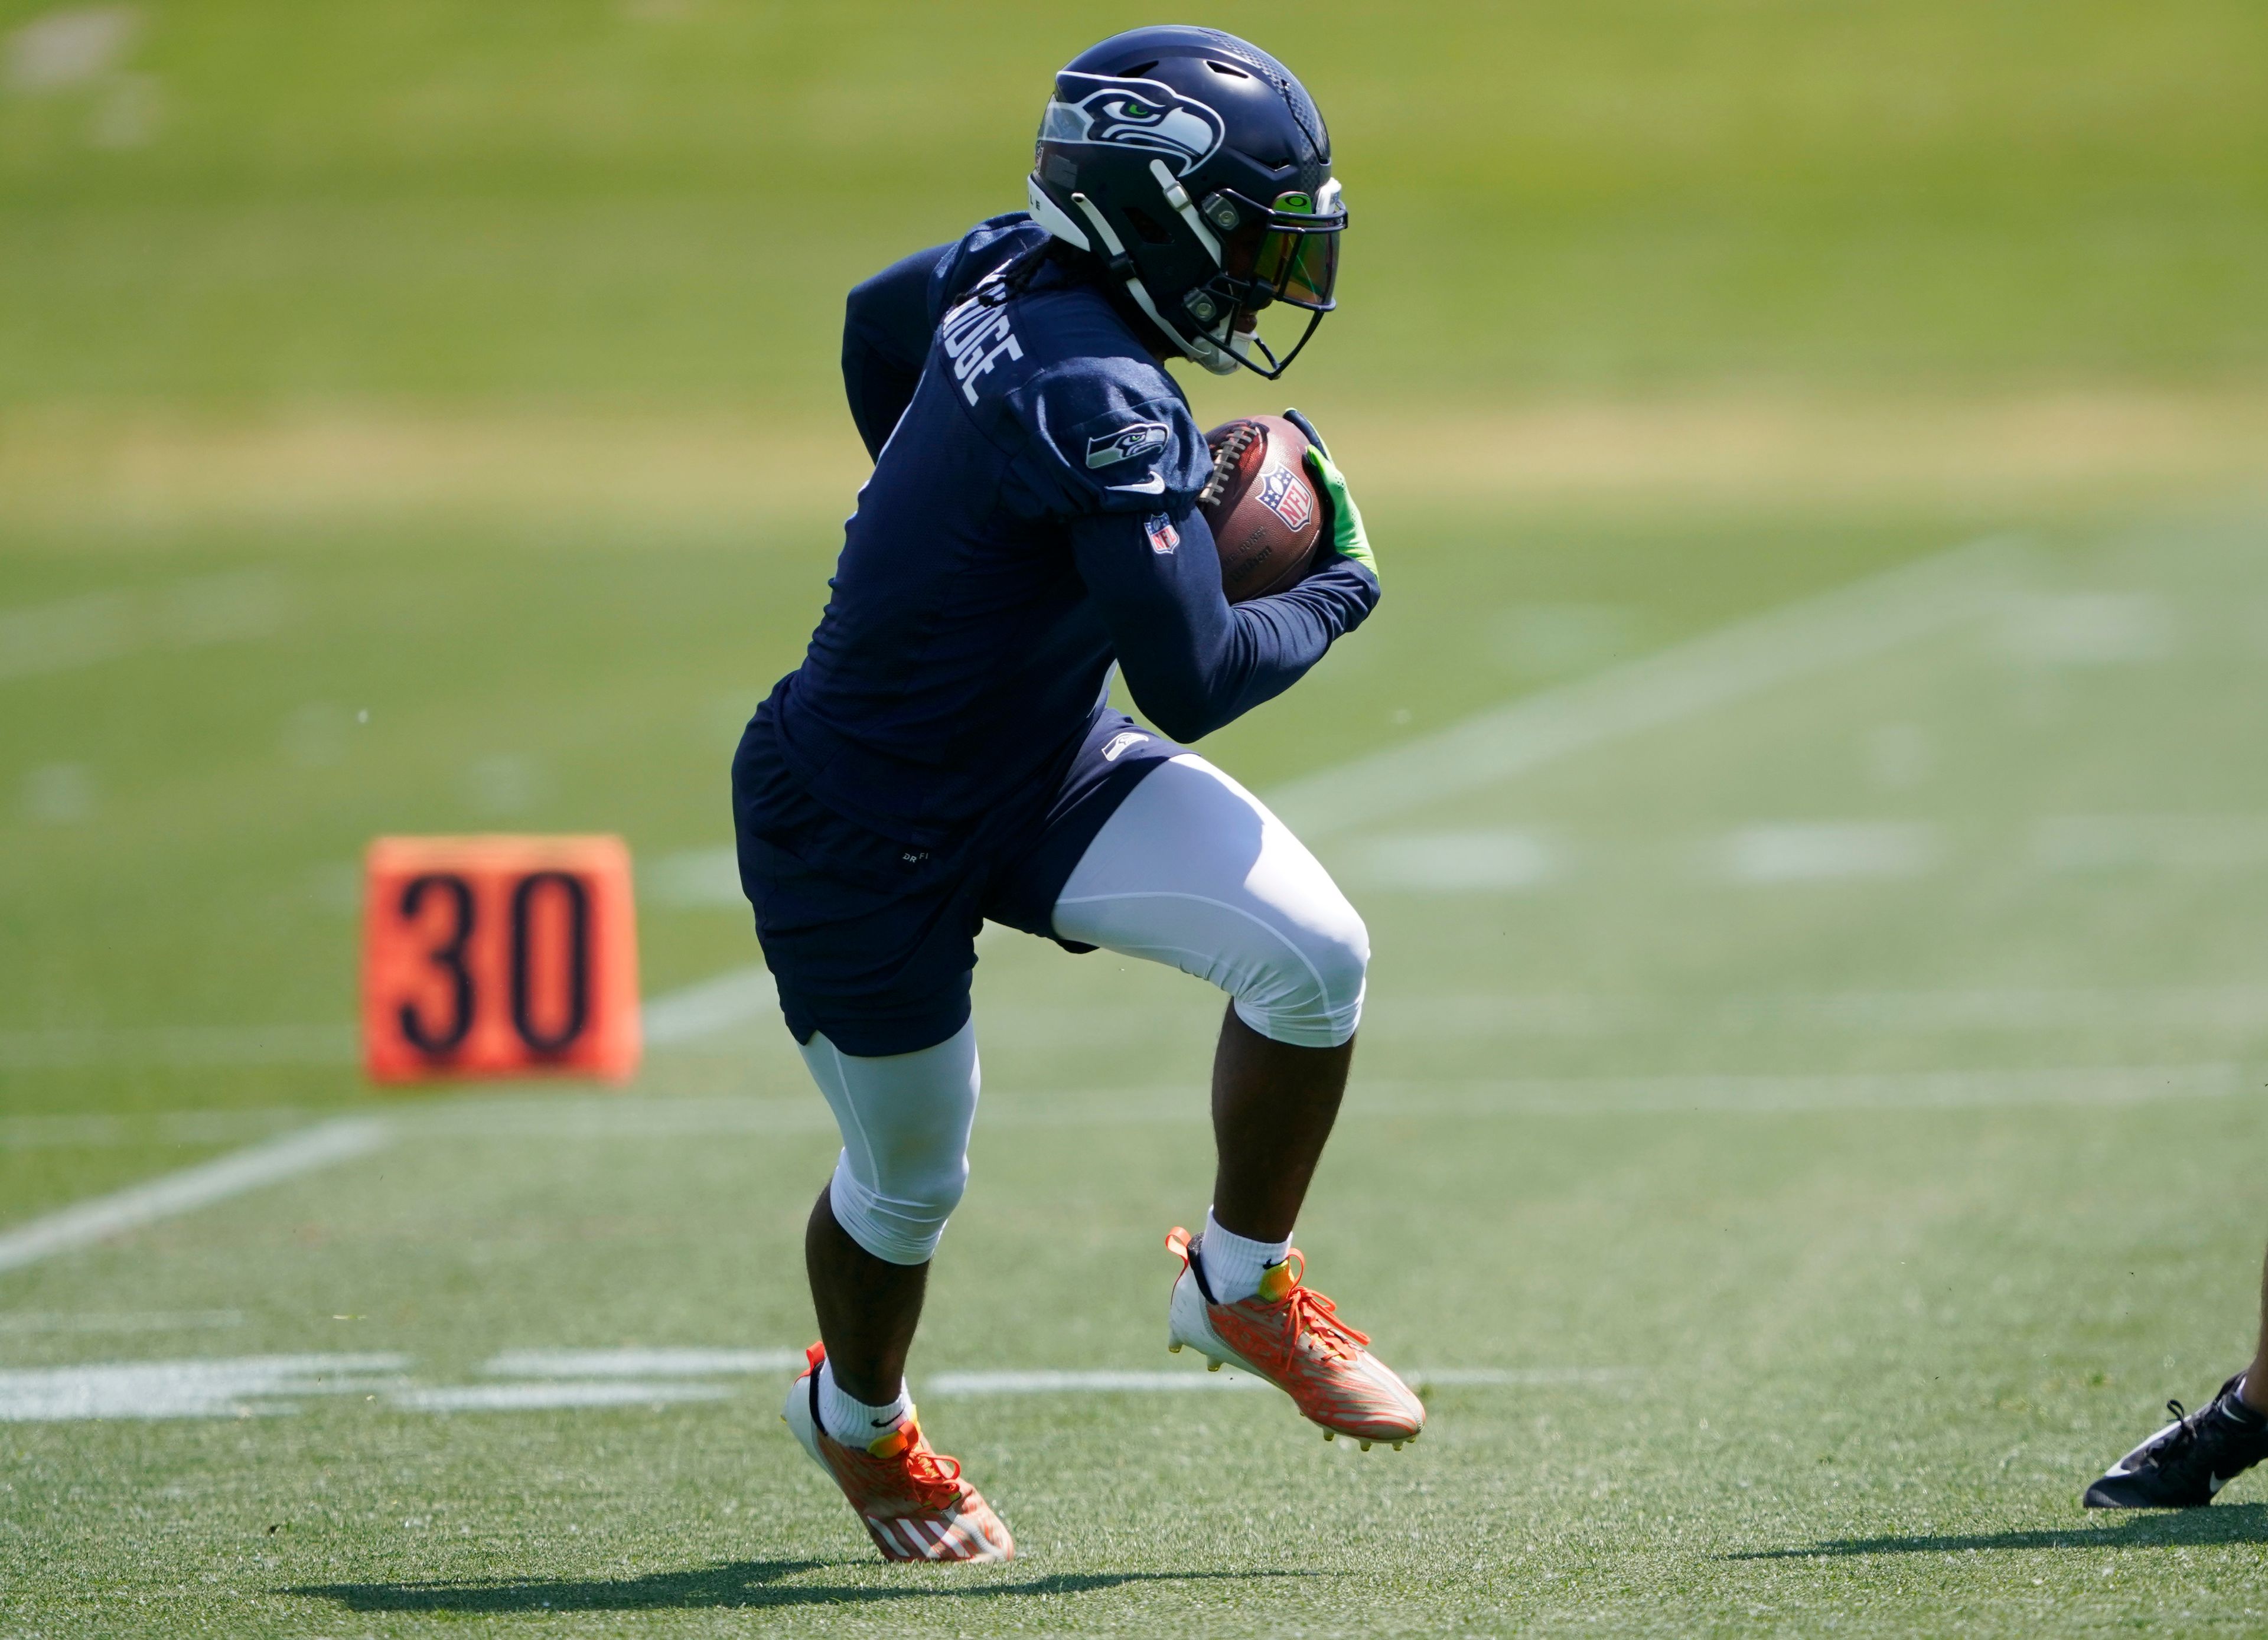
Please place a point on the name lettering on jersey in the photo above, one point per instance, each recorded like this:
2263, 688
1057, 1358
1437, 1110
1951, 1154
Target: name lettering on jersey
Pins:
1283, 494
1124, 442
1163, 536
1120, 743
975, 336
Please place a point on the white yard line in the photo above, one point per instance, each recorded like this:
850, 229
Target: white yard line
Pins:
1526, 1378
2187, 1008
245, 1385
1769, 1095
2181, 842
693, 879
710, 1007
185, 1389
22, 1323
1049, 1382
1850, 623
67, 633
552, 1393
1791, 851
1471, 1098
573, 1114
539, 1118
87, 1222
524, 1117
707, 1007
1492, 861
1481, 1016
1056, 1382
154, 1129
178, 1045
36, 639
638, 1363
545, 1118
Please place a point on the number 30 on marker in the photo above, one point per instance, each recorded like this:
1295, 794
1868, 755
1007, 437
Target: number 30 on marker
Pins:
498, 956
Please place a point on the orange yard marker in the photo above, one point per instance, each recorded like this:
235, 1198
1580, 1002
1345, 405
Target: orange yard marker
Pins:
498, 956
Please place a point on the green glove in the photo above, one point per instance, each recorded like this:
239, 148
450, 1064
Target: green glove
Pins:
1347, 537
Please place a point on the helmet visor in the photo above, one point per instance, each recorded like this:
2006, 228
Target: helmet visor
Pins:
1298, 258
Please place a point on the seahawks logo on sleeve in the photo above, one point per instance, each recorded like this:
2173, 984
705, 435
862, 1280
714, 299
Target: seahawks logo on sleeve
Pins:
1123, 443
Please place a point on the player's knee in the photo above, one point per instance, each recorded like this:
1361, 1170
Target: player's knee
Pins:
1311, 995
899, 1219
905, 1120
1344, 963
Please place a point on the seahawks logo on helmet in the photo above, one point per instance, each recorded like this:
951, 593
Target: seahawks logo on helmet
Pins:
1133, 113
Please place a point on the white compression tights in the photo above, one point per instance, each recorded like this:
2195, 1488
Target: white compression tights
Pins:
1191, 871
905, 1120
1194, 871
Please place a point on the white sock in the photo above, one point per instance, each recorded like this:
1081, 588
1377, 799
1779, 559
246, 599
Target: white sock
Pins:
854, 1422
1233, 1263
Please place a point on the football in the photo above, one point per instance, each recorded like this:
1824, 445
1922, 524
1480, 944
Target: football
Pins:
1262, 505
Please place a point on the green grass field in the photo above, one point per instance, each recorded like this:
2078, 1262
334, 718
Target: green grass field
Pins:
1811, 1087
1800, 785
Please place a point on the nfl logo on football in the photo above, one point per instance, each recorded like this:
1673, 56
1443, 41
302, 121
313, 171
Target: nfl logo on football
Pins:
1283, 495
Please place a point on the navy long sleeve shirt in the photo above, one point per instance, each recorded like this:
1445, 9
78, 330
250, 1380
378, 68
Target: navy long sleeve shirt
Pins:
1030, 520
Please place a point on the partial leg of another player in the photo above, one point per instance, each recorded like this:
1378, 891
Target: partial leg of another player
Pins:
1192, 870
2186, 1464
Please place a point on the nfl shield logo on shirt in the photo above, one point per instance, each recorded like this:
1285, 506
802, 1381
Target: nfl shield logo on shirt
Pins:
1163, 536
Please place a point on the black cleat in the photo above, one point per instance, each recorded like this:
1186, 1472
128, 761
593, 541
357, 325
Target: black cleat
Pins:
2184, 1465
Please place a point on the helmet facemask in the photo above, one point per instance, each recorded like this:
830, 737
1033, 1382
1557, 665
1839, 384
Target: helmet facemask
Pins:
1284, 254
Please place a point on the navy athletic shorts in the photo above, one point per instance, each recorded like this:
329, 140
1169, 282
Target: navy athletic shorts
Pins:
872, 941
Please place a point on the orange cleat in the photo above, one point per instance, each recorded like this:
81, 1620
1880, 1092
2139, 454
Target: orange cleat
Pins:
911, 1499
1291, 1334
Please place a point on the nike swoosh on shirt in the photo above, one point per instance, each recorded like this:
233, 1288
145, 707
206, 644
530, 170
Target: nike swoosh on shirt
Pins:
1155, 485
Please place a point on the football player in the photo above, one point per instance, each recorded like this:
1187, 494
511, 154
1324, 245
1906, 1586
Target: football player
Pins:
945, 754
2186, 1464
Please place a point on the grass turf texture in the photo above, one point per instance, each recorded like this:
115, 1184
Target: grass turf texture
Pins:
1805, 1347
656, 202
1800, 1350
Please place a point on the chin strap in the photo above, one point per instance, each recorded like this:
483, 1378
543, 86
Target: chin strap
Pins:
1204, 349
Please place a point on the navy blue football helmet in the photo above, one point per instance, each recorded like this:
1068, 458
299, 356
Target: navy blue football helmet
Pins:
1197, 169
